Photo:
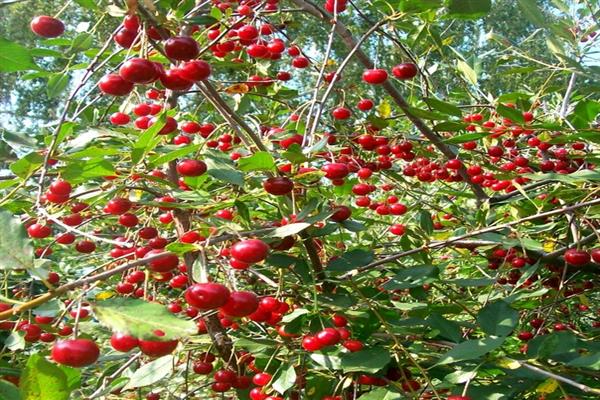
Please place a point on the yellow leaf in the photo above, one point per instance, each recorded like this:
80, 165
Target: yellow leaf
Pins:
331, 63
508, 363
584, 300
104, 295
237, 88
384, 109
549, 246
547, 387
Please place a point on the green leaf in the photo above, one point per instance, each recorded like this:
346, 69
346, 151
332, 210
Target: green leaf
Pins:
57, 83
369, 360
412, 6
259, 161
352, 259
425, 114
285, 380
582, 176
16, 251
297, 313
27, 165
148, 139
442, 106
202, 20
466, 137
89, 4
223, 170
328, 361
469, 8
498, 318
288, 230
14, 57
591, 361
381, 394
584, 113
449, 126
151, 373
141, 319
42, 380
173, 155
82, 42
81, 171
471, 350
448, 329
180, 248
468, 72
425, 221
532, 12
353, 226
412, 277
510, 113
8, 391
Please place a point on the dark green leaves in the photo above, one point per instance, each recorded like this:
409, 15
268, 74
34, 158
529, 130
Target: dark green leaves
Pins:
27, 165
470, 350
584, 113
498, 318
14, 57
142, 319
350, 260
369, 360
16, 251
57, 83
443, 106
510, 113
42, 380
412, 277
151, 373
285, 380
222, 169
532, 12
469, 8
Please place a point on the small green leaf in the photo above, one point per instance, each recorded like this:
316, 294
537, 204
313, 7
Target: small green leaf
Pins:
57, 83
16, 251
148, 139
285, 380
27, 164
532, 12
471, 350
468, 72
173, 155
425, 221
142, 319
42, 380
14, 57
469, 9
443, 106
81, 171
223, 170
288, 230
591, 361
412, 277
369, 360
151, 373
259, 161
328, 361
82, 42
498, 318
510, 113
352, 259
381, 394
8, 391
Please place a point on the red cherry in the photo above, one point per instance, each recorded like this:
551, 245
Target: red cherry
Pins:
182, 48
60, 187
458, 397
300, 62
131, 22
250, 251
596, 255
342, 213
122, 342
138, 70
157, 349
341, 113
240, 304
126, 38
163, 264
207, 296
128, 220
118, 206
196, 70
328, 337
172, 79
191, 167
278, 186
353, 345
114, 85
75, 352
257, 50
577, 257
32, 332
247, 32
119, 118
169, 127
225, 376
262, 379
39, 231
339, 320
47, 27
311, 343
202, 367
85, 246
365, 104
405, 71
375, 76
335, 170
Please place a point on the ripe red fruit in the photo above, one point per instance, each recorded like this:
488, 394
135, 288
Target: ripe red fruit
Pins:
335, 170
138, 70
171, 79
405, 71
191, 167
353, 345
118, 206
596, 255
157, 349
114, 85
119, 118
165, 263
182, 48
577, 257
250, 251
365, 104
47, 27
262, 379
311, 343
328, 337
39, 231
126, 38
207, 296
122, 342
240, 304
342, 213
85, 246
278, 186
60, 187
247, 32
225, 376
375, 76
169, 127
75, 352
525, 336
300, 62
196, 70
341, 113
